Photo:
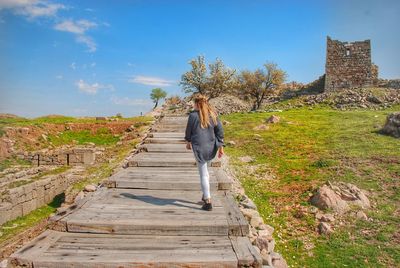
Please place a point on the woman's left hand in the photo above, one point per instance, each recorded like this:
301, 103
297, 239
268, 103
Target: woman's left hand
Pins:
188, 146
220, 152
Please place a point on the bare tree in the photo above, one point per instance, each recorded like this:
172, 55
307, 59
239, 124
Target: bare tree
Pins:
259, 84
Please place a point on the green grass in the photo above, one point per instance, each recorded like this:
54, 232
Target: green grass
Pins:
39, 121
102, 137
306, 148
12, 161
12, 228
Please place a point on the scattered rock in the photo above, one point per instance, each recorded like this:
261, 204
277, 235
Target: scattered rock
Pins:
326, 198
324, 228
265, 243
226, 104
226, 123
248, 203
231, 143
256, 221
79, 196
273, 119
266, 257
338, 196
249, 213
90, 188
4, 263
324, 217
278, 261
261, 127
392, 125
361, 215
246, 159
266, 227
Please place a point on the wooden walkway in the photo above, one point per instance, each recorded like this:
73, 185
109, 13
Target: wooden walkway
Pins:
149, 216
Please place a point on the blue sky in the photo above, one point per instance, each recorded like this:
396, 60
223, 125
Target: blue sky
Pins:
95, 58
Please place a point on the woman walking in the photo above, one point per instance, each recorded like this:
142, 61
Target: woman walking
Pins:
205, 136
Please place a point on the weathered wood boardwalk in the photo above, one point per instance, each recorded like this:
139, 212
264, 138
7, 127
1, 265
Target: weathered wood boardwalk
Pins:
149, 216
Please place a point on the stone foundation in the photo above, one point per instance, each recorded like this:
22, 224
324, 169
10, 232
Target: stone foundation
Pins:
69, 157
21, 200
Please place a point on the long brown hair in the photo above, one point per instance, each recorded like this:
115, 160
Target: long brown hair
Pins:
205, 111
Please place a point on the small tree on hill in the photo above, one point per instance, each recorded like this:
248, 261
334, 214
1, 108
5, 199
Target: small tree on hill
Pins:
259, 84
156, 95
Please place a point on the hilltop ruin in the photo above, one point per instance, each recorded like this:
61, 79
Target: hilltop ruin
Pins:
348, 65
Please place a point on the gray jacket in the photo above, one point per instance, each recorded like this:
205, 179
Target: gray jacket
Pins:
205, 141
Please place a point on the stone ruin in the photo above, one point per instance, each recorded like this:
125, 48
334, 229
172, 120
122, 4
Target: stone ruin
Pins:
348, 65
69, 157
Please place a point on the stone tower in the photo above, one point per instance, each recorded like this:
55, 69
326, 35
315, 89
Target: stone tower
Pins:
348, 65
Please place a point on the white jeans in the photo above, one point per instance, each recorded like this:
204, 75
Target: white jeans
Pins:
204, 179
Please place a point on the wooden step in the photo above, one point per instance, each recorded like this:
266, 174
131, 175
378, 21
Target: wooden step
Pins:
149, 159
165, 148
165, 140
166, 135
164, 178
149, 212
61, 249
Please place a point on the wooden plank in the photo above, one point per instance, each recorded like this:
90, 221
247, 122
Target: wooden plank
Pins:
167, 148
135, 211
104, 250
224, 183
166, 135
149, 159
246, 254
162, 185
165, 140
238, 225
56, 221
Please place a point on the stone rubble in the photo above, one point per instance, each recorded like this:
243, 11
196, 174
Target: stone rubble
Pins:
260, 234
392, 125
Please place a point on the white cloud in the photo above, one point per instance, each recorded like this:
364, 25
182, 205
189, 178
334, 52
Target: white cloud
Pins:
151, 81
79, 28
73, 66
92, 89
76, 27
93, 64
88, 41
130, 102
59, 76
32, 8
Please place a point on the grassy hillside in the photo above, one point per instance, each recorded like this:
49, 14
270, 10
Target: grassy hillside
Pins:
306, 148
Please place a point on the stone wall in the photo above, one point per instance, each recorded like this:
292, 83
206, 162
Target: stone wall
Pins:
21, 200
348, 65
390, 83
70, 157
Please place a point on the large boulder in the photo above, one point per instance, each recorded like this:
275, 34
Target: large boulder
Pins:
392, 126
339, 196
326, 198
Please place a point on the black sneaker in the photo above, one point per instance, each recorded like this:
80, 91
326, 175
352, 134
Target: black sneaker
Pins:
207, 206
